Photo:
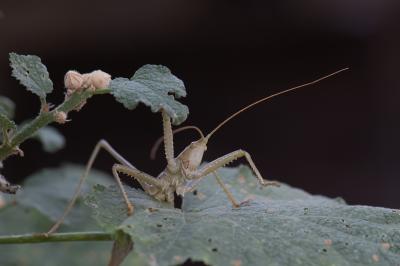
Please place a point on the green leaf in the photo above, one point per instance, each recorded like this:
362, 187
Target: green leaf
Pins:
6, 123
52, 140
44, 197
278, 226
49, 190
7, 107
31, 73
152, 85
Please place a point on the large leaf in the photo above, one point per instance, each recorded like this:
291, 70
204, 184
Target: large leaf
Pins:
49, 190
52, 140
31, 73
43, 199
278, 226
153, 86
7, 107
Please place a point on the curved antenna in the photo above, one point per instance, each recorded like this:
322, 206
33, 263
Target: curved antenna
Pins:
270, 97
158, 142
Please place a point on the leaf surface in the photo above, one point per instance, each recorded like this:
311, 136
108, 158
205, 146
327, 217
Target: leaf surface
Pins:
154, 86
31, 73
51, 189
278, 226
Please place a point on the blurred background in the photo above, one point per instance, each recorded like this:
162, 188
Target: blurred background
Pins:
337, 138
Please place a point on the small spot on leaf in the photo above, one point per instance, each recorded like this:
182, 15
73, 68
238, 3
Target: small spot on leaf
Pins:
214, 250
241, 179
151, 210
178, 259
195, 192
375, 258
201, 196
236, 263
385, 246
328, 242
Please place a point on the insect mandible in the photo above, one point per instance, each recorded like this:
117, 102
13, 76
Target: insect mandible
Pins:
183, 172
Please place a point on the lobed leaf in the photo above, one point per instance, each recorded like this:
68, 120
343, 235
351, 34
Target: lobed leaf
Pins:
152, 85
278, 226
52, 140
31, 73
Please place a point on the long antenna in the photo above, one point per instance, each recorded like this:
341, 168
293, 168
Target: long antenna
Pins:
270, 97
158, 142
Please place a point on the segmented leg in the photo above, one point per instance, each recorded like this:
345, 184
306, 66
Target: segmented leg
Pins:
101, 144
235, 204
169, 143
147, 181
228, 158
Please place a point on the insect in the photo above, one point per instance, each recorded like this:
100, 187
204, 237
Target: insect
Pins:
183, 172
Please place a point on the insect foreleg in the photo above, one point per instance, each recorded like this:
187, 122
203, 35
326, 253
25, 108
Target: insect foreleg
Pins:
169, 142
226, 159
101, 144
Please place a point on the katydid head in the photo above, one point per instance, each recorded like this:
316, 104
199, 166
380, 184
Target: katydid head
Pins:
192, 156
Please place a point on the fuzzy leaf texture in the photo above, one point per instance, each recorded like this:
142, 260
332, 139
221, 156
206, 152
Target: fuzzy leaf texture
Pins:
31, 73
278, 226
7, 107
52, 140
152, 85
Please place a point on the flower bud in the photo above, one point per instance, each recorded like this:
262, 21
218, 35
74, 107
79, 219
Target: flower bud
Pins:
100, 79
60, 117
73, 80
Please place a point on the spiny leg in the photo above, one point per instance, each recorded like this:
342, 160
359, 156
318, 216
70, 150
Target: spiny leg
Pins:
193, 183
169, 142
235, 204
228, 158
101, 144
144, 179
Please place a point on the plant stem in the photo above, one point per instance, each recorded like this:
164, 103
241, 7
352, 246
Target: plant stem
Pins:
58, 237
45, 118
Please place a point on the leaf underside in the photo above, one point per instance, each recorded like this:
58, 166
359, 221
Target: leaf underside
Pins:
52, 140
154, 86
31, 73
7, 107
278, 226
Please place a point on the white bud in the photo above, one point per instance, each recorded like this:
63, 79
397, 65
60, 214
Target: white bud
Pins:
100, 79
73, 80
60, 117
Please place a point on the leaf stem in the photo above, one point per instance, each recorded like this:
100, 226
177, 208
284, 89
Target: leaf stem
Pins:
45, 118
58, 237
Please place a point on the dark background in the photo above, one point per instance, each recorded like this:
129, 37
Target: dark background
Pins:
338, 138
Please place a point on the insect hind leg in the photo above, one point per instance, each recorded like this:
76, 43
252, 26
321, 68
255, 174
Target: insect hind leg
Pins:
102, 144
150, 184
